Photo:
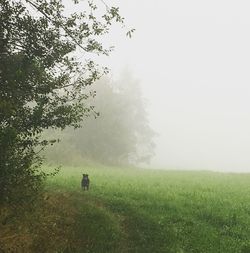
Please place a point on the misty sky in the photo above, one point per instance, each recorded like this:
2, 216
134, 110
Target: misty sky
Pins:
192, 58
193, 61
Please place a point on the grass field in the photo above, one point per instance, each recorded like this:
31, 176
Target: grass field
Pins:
136, 210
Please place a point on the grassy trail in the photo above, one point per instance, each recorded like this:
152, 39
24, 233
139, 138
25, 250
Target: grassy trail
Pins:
136, 211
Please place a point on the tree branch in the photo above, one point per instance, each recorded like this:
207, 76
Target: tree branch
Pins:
52, 21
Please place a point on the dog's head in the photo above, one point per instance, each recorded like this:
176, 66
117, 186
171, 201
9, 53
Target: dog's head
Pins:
85, 175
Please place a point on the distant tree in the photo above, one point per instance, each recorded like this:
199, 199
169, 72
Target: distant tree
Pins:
120, 135
43, 81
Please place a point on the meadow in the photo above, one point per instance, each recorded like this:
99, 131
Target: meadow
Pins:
140, 211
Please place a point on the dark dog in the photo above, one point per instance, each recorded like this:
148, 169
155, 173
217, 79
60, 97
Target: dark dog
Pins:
85, 182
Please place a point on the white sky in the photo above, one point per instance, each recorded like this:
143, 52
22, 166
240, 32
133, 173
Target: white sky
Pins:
193, 60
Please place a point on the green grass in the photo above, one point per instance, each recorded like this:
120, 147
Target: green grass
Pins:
135, 210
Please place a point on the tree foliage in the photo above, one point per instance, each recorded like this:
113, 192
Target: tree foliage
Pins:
43, 80
120, 135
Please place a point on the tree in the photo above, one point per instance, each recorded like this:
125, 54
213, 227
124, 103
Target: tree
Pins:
43, 81
120, 135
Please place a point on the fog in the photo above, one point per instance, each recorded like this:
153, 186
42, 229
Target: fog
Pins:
192, 59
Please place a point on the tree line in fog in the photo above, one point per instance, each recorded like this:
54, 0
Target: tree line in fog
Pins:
120, 134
